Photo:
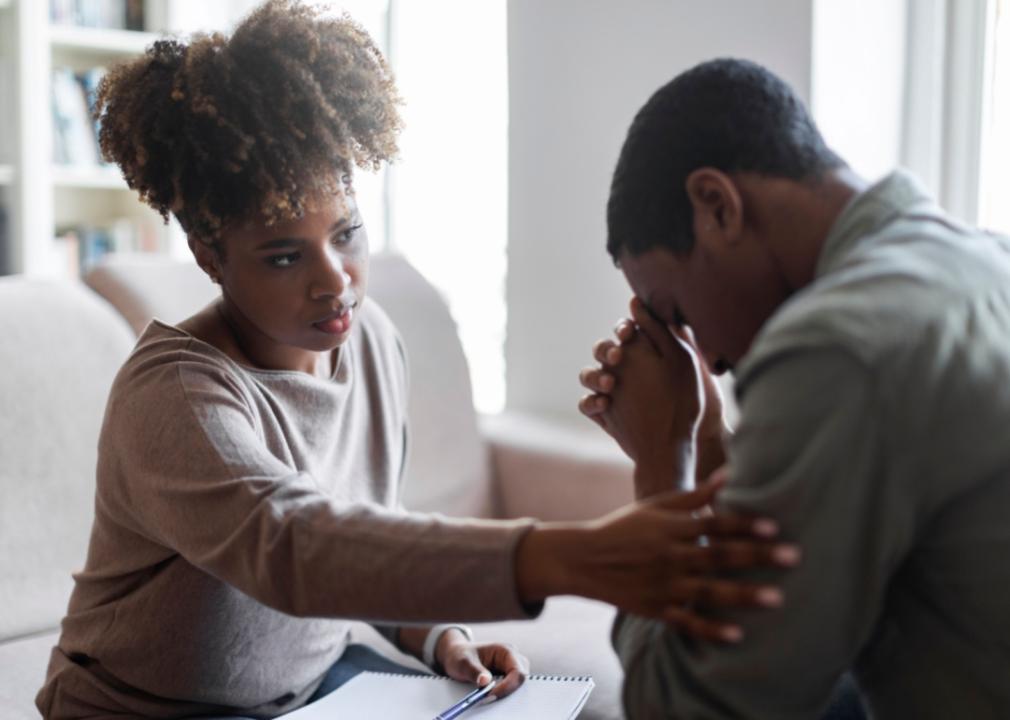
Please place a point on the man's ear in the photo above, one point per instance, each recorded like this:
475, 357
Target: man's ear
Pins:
717, 205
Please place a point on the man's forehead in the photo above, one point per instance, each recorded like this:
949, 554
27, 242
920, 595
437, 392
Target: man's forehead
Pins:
656, 267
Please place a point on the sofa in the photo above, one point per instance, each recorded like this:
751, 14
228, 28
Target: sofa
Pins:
63, 342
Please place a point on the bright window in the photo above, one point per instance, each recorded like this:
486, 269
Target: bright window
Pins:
448, 194
994, 206
371, 187
443, 204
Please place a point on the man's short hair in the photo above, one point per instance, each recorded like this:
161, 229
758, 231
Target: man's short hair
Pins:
728, 114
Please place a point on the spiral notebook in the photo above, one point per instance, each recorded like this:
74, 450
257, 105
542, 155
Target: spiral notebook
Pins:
422, 697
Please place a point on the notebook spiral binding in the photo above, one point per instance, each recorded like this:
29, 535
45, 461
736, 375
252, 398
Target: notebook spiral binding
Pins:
552, 678
562, 678
419, 676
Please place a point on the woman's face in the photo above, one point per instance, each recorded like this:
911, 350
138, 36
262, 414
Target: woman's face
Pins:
291, 290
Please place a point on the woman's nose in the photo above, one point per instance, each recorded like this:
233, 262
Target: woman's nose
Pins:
330, 279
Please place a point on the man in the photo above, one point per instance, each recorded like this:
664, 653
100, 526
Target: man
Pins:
870, 338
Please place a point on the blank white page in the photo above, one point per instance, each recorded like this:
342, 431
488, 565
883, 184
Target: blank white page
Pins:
422, 697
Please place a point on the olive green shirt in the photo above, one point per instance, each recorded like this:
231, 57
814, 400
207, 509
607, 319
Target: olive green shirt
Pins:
875, 426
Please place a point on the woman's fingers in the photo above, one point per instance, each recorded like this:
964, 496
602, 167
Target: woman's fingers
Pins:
701, 521
702, 628
504, 659
464, 663
508, 684
737, 555
710, 592
729, 524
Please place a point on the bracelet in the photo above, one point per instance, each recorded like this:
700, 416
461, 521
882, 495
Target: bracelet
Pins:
431, 642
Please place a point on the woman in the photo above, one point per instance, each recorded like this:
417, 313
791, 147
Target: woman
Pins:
251, 457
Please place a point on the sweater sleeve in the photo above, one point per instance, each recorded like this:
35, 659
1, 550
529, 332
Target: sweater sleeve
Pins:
808, 453
196, 477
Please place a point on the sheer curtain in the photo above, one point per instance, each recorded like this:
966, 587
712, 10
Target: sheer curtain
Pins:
994, 206
956, 133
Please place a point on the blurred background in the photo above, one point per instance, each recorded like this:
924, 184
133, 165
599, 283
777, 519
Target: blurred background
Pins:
515, 113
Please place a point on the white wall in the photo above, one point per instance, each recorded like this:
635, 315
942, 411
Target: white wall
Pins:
858, 80
578, 72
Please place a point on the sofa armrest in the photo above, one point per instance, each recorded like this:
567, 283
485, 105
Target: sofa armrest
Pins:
552, 471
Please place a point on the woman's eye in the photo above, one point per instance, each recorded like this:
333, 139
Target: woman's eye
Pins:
346, 236
282, 261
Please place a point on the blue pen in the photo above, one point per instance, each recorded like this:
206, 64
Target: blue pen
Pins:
468, 702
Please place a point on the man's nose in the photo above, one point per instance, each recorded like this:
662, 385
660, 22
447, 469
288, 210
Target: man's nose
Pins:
330, 279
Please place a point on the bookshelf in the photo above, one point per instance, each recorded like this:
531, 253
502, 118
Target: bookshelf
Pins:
99, 42
50, 198
80, 177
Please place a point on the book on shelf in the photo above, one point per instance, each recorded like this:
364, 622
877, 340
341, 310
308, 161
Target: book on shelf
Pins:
67, 248
75, 133
6, 111
4, 238
89, 80
112, 14
80, 247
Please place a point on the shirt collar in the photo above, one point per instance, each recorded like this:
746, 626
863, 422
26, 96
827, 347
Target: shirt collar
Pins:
869, 211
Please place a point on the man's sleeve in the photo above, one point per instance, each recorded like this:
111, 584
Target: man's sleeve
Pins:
811, 453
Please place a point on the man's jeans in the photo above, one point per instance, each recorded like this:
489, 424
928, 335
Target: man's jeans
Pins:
846, 703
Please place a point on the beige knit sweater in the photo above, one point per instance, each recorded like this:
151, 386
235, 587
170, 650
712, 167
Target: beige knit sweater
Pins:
239, 513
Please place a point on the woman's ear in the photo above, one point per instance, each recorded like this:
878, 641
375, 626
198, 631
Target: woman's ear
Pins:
207, 258
717, 206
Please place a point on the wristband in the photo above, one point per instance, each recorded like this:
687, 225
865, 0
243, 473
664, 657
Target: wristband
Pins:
431, 642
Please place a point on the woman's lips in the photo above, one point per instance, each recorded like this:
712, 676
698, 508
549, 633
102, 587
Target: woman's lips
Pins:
336, 325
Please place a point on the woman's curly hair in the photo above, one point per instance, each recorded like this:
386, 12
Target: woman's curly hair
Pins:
265, 122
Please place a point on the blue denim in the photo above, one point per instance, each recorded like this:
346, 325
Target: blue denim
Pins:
356, 659
846, 702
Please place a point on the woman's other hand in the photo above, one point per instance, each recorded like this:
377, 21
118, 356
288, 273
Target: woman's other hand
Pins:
477, 663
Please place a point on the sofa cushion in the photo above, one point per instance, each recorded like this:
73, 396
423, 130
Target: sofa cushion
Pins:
143, 286
449, 467
61, 348
23, 665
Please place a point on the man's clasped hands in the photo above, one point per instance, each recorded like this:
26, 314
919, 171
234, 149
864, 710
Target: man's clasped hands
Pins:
655, 395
